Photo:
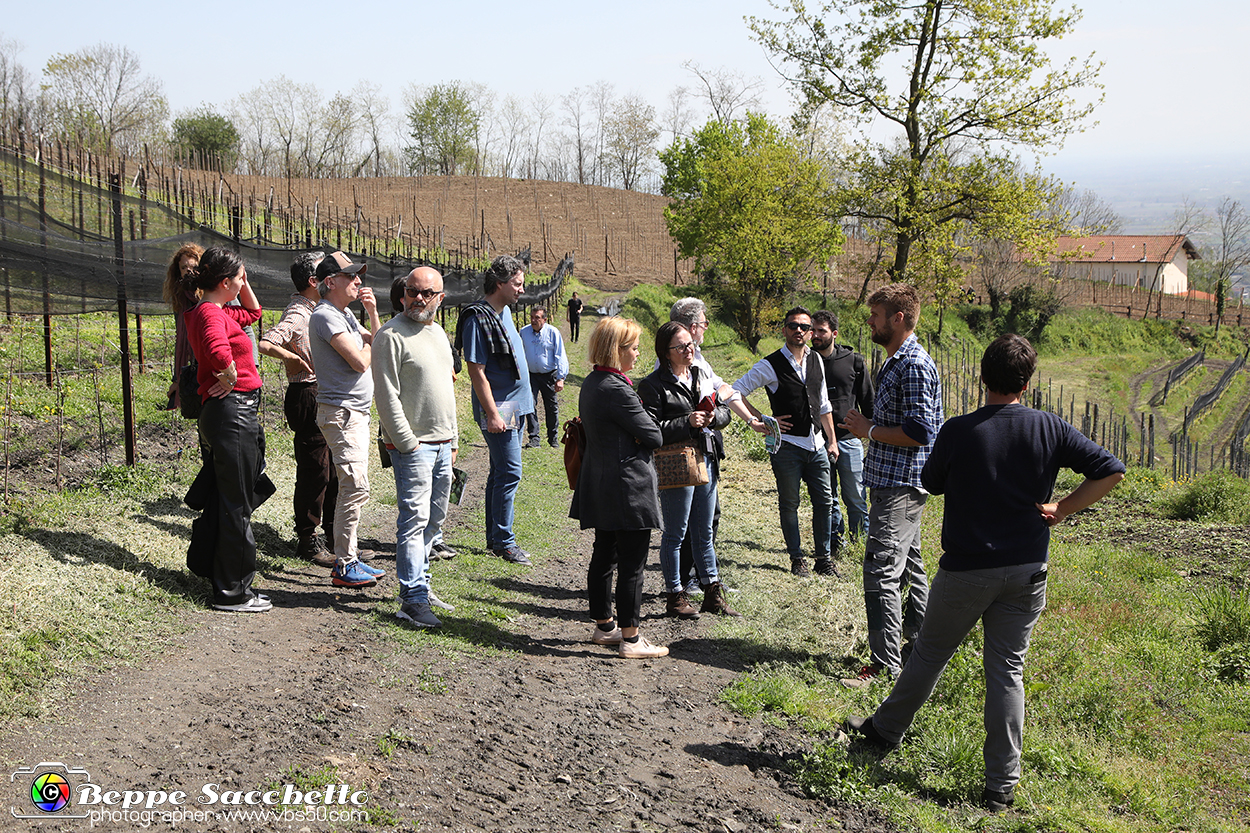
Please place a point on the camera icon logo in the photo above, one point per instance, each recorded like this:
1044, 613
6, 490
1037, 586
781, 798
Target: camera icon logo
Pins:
51, 789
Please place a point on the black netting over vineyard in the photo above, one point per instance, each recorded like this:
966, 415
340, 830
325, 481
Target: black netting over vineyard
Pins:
58, 250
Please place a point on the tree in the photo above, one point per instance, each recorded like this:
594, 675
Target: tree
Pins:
376, 124
748, 206
1231, 252
17, 96
205, 136
100, 99
630, 145
727, 92
577, 119
975, 78
444, 128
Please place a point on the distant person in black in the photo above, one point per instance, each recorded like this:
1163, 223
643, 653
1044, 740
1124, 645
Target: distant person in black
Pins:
997, 468
575, 317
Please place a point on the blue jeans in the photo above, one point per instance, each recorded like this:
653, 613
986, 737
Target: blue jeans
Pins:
501, 485
849, 474
422, 483
892, 563
1008, 601
791, 466
690, 507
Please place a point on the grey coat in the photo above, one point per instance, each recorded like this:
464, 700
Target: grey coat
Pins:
616, 488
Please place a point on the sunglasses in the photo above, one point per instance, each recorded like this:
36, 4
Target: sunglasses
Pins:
795, 325
689, 345
427, 294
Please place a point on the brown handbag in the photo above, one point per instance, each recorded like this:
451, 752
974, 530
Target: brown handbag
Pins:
574, 440
679, 464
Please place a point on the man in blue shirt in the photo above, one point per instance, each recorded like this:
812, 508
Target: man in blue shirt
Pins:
906, 416
495, 356
549, 367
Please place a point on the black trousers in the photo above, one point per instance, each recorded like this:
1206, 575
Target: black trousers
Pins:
575, 326
544, 384
316, 484
231, 429
625, 551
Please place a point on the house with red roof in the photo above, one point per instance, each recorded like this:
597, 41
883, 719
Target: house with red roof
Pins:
1151, 262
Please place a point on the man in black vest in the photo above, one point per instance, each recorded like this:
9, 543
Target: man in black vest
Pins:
795, 381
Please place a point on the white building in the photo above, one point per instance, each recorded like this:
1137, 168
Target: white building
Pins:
1146, 261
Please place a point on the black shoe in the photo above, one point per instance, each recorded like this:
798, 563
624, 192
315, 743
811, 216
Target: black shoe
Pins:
442, 551
996, 801
825, 567
863, 727
553, 442
532, 443
513, 554
798, 567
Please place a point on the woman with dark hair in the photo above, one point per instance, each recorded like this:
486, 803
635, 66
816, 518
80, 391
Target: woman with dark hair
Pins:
616, 491
230, 392
682, 400
180, 299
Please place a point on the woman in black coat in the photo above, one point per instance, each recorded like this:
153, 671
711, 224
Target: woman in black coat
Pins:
616, 493
683, 401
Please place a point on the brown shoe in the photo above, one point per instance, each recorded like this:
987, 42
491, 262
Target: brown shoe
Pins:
642, 649
679, 605
714, 600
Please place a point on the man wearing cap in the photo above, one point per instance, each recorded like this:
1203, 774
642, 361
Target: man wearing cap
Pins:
501, 395
341, 352
412, 374
316, 487
549, 366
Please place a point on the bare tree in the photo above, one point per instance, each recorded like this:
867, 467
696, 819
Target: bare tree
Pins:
576, 109
729, 93
376, 125
101, 98
515, 127
678, 116
1231, 252
540, 113
632, 131
1084, 213
17, 94
601, 101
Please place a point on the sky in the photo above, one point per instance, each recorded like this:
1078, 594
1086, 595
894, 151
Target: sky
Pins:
1173, 75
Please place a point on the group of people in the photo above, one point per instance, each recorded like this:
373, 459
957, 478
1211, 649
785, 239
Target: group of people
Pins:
997, 466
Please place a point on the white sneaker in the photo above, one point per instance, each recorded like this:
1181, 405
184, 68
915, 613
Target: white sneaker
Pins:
256, 604
642, 649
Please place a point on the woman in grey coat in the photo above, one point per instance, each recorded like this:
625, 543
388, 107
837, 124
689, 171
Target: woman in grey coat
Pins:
616, 491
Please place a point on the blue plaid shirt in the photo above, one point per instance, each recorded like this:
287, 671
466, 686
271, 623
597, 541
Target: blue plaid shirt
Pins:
907, 386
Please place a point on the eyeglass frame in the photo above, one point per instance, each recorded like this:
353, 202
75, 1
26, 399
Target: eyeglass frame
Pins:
427, 294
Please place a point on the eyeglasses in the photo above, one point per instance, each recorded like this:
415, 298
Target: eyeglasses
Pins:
702, 324
688, 345
427, 294
795, 325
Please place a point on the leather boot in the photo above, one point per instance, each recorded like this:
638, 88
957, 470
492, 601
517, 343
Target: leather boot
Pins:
679, 605
714, 600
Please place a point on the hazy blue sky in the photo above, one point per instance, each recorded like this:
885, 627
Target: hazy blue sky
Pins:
1174, 72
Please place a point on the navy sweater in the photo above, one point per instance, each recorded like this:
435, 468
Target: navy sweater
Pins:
994, 465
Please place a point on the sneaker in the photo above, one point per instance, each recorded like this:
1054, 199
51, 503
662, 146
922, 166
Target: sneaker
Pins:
553, 442
351, 574
798, 567
256, 604
864, 727
532, 443
692, 587
865, 677
435, 601
419, 615
642, 649
371, 570
442, 551
996, 801
825, 567
513, 554
678, 604
602, 637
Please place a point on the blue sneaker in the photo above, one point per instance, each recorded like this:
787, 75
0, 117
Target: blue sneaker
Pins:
371, 570
350, 574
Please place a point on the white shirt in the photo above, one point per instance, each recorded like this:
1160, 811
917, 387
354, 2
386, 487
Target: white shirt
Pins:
762, 375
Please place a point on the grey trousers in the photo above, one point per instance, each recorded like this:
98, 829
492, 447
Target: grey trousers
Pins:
892, 564
1007, 601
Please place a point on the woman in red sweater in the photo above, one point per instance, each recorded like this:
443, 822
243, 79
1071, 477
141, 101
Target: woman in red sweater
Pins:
230, 391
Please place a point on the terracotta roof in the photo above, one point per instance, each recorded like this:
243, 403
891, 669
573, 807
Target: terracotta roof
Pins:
1124, 248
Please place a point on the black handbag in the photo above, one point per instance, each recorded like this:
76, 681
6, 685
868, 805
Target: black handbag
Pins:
189, 391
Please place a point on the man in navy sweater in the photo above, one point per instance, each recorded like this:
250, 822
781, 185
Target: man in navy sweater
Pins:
997, 468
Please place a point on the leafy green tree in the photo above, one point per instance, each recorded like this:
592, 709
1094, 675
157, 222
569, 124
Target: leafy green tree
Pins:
444, 127
959, 80
750, 207
206, 136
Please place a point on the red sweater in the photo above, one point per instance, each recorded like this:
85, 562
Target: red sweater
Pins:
217, 338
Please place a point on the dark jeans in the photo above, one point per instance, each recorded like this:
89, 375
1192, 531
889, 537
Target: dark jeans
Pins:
624, 550
544, 384
575, 326
230, 428
316, 485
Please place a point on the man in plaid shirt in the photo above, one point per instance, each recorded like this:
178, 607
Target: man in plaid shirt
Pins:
906, 416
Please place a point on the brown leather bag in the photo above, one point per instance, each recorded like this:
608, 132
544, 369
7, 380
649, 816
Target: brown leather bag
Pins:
574, 440
679, 464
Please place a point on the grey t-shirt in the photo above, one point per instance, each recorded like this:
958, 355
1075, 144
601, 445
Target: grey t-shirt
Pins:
337, 383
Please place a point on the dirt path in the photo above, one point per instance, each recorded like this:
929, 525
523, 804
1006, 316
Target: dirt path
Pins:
558, 735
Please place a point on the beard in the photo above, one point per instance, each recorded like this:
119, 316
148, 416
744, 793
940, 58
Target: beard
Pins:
883, 335
421, 316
